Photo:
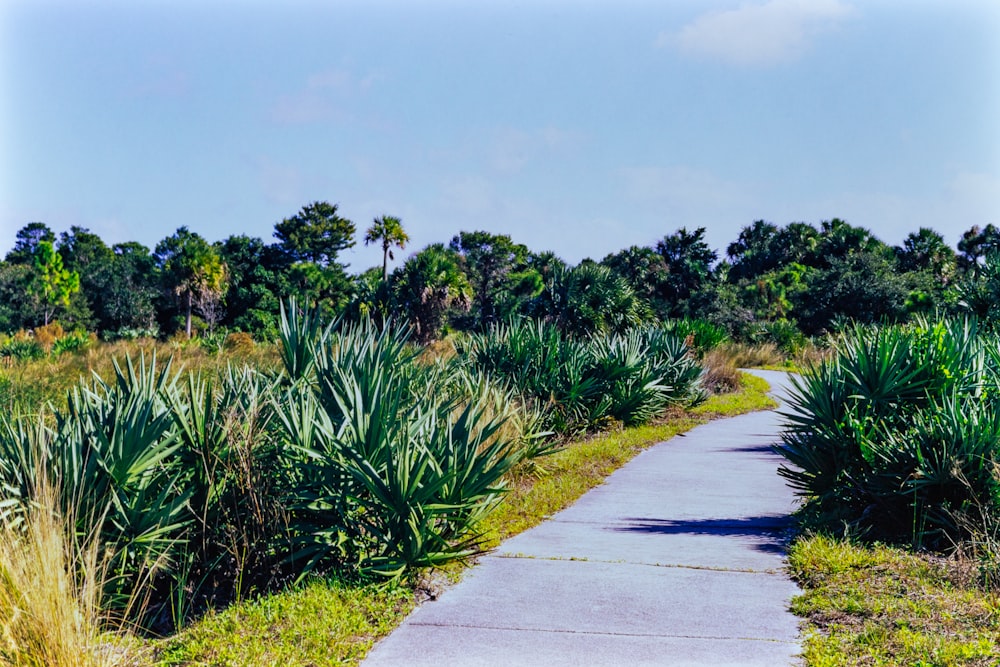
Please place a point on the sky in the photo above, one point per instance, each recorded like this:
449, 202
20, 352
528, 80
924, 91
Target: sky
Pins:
580, 127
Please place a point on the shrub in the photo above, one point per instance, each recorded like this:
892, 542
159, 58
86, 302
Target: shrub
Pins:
22, 347
580, 383
391, 470
239, 343
704, 335
47, 335
72, 342
898, 432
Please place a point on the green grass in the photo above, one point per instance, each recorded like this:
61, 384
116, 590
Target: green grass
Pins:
27, 386
336, 624
751, 397
877, 605
320, 623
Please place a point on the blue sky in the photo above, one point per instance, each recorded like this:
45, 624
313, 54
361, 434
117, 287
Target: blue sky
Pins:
580, 127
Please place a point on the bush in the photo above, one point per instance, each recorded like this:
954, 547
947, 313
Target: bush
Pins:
72, 342
579, 384
704, 335
896, 436
391, 468
357, 459
48, 335
239, 342
22, 347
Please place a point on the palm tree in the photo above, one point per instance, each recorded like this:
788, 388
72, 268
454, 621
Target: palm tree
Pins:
429, 285
389, 231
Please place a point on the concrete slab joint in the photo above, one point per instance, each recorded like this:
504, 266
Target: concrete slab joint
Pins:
678, 559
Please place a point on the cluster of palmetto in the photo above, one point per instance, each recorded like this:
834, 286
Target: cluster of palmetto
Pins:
356, 457
897, 437
577, 383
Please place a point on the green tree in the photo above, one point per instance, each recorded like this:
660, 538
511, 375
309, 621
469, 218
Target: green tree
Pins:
312, 240
688, 260
315, 234
489, 260
771, 294
644, 269
326, 289
863, 287
976, 244
84, 252
839, 239
798, 242
372, 297
591, 298
194, 273
926, 250
258, 278
389, 232
15, 310
755, 251
979, 291
127, 302
428, 286
51, 284
27, 240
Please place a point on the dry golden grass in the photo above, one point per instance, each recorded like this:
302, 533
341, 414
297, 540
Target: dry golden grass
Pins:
721, 373
26, 386
50, 591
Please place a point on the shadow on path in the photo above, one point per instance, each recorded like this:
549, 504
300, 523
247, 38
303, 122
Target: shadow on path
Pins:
772, 529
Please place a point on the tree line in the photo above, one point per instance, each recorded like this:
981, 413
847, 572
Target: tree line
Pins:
774, 282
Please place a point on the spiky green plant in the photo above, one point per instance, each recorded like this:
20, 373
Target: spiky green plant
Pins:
390, 469
114, 450
230, 461
581, 383
704, 335
897, 432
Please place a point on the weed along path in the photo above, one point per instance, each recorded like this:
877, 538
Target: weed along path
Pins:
677, 559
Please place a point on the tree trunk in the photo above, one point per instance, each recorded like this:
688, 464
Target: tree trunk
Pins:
189, 315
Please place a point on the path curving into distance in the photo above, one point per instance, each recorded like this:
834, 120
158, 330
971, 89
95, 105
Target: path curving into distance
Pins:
677, 559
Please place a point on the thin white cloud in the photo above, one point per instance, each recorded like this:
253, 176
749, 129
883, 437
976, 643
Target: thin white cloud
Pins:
322, 98
771, 33
514, 148
681, 187
302, 108
280, 184
161, 77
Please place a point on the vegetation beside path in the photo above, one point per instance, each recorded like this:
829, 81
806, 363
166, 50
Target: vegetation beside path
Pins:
894, 441
336, 623
880, 606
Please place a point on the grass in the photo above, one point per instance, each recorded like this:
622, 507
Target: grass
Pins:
331, 623
50, 592
319, 623
876, 605
324, 622
27, 386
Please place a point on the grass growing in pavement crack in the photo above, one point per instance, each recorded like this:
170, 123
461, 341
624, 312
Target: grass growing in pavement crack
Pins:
334, 623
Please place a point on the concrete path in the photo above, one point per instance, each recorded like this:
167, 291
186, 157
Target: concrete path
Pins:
676, 560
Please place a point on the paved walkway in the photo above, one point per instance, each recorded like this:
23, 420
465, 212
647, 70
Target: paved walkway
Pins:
676, 560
